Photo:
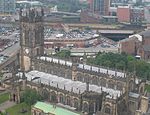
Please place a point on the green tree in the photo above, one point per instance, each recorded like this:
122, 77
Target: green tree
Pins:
63, 54
120, 65
30, 96
142, 68
121, 62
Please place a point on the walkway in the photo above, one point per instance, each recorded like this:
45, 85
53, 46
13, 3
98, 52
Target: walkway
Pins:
6, 105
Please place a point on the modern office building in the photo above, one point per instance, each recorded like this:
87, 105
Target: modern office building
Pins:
100, 6
7, 6
136, 15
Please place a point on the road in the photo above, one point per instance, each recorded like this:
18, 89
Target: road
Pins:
11, 50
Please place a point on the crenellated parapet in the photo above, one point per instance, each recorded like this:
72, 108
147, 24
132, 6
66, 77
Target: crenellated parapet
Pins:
31, 15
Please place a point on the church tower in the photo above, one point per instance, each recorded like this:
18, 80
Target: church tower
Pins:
31, 36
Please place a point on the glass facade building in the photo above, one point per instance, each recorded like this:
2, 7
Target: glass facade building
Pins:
7, 6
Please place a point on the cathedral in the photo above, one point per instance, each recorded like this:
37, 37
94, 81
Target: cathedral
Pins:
84, 88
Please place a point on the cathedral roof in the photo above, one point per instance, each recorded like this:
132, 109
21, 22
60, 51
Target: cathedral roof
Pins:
85, 67
69, 85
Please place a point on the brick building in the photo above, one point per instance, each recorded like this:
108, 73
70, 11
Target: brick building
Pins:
123, 13
138, 44
128, 45
129, 14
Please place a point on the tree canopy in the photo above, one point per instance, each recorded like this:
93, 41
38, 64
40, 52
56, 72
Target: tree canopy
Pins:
30, 96
122, 62
63, 54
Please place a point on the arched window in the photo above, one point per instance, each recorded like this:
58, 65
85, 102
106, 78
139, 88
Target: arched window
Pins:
103, 82
79, 77
85, 107
107, 109
68, 101
76, 104
92, 107
55, 70
53, 97
119, 86
45, 94
131, 85
95, 80
141, 90
61, 99
86, 78
111, 84
68, 74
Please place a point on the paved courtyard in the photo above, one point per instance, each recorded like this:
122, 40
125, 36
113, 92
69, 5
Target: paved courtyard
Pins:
6, 105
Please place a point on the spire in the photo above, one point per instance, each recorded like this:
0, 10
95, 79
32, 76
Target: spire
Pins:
23, 76
42, 11
23, 81
64, 87
87, 86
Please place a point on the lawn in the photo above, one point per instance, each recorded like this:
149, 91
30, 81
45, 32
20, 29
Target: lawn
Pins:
4, 97
147, 88
16, 110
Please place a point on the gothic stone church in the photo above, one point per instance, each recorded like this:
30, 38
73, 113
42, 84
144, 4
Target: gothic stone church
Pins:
79, 87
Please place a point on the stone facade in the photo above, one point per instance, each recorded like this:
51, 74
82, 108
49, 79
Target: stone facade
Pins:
32, 34
88, 101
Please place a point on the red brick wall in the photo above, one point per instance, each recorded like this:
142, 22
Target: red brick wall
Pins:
123, 14
128, 47
134, 46
146, 41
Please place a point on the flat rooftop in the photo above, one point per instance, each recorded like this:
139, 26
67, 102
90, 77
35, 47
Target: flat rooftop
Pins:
49, 108
116, 31
71, 35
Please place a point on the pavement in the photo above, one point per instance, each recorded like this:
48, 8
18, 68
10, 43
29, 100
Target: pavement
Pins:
6, 105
